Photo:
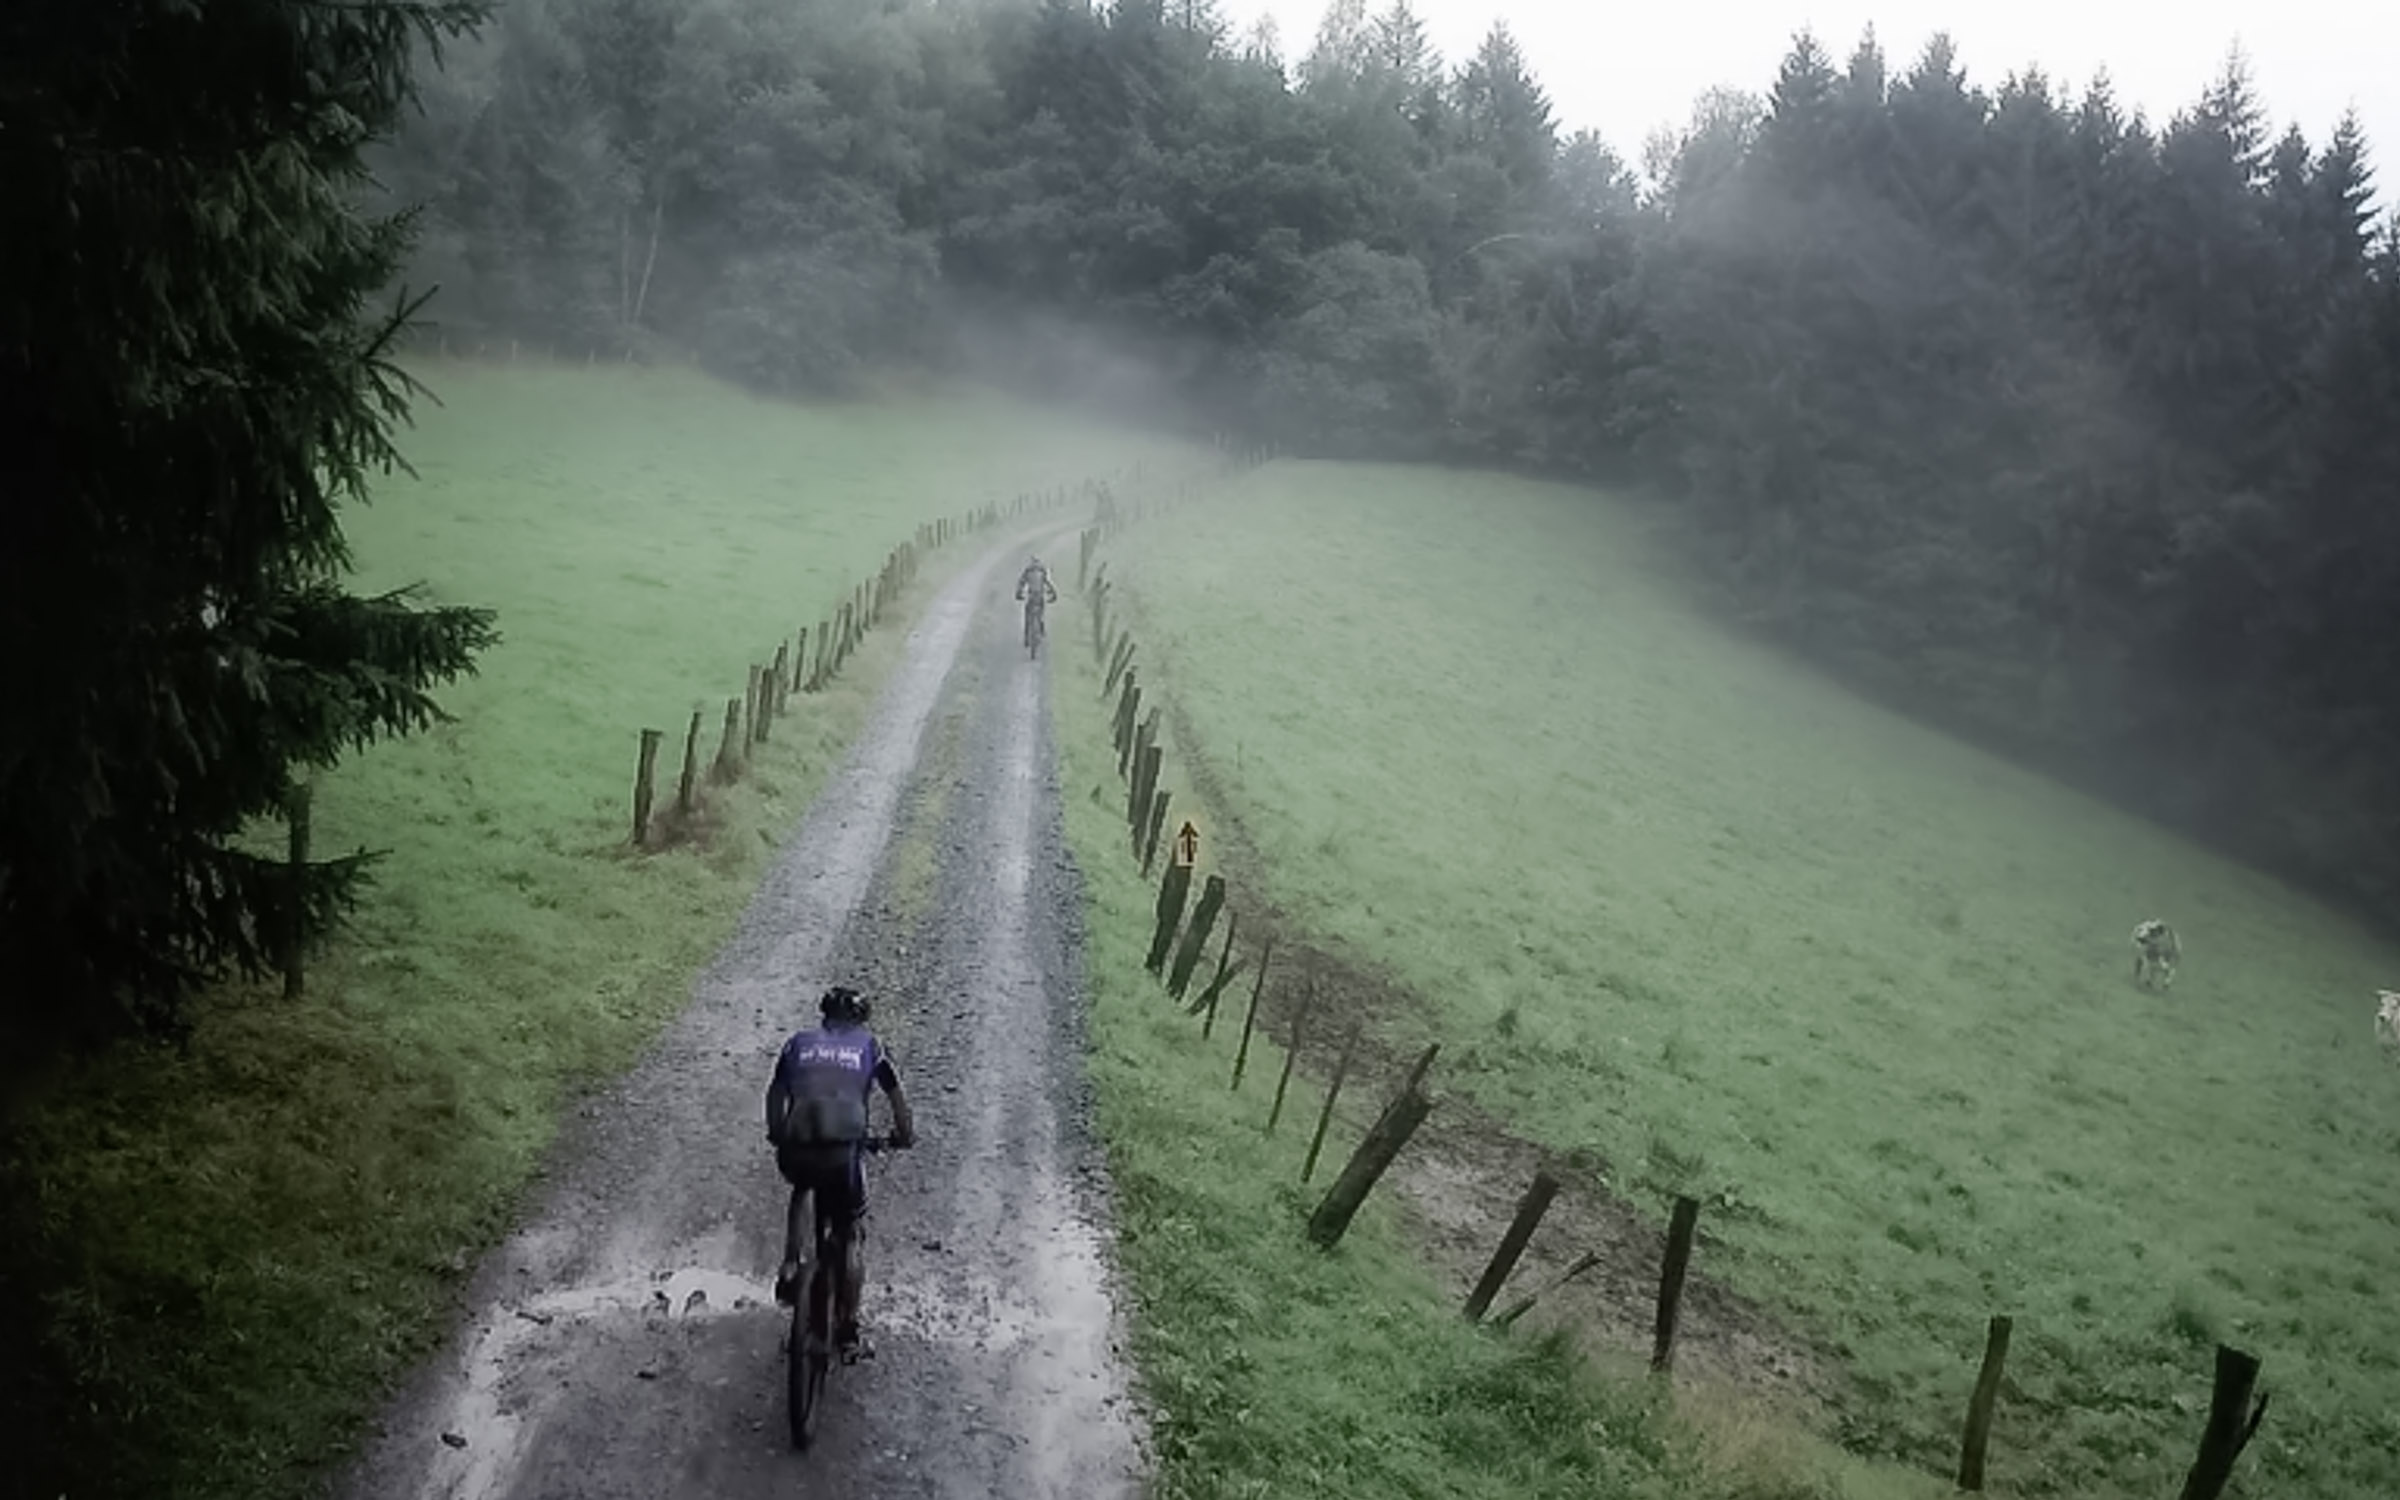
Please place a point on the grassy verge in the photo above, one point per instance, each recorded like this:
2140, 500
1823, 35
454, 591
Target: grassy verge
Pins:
1676, 903
1274, 1369
221, 1256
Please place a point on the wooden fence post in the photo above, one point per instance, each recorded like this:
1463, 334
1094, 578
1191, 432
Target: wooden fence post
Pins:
1979, 1407
1133, 706
1225, 967
1374, 1155
728, 764
766, 702
1118, 660
1144, 736
1241, 1055
783, 687
1291, 1051
750, 712
642, 774
1172, 892
691, 768
1146, 760
1120, 724
1195, 937
1530, 1209
1670, 1283
2227, 1433
1158, 820
816, 678
1145, 780
1333, 1091
295, 884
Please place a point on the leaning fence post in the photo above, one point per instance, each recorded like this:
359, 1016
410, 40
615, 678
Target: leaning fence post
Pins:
1144, 736
2227, 1434
1209, 993
1241, 1056
1530, 1209
728, 766
642, 774
1979, 1407
295, 880
1195, 937
1133, 706
691, 768
1291, 1051
750, 711
1670, 1282
1172, 892
1333, 1091
1374, 1155
1146, 762
1158, 820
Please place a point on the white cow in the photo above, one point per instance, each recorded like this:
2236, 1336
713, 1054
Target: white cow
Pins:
2387, 1021
2156, 950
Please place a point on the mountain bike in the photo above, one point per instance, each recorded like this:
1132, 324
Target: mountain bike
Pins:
809, 1353
1034, 628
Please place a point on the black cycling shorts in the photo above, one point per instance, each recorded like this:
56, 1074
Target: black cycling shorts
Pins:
836, 1175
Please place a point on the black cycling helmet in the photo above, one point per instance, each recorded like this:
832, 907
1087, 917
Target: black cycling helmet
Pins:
842, 1003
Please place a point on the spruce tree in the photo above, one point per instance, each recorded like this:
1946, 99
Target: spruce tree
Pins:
196, 370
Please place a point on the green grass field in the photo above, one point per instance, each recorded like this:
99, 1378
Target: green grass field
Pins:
1669, 897
227, 1253
1276, 1370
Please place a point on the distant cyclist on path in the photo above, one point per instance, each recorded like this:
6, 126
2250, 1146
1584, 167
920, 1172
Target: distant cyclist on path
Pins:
817, 1122
1036, 589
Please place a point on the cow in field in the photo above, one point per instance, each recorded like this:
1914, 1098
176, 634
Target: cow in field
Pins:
2156, 951
2387, 1021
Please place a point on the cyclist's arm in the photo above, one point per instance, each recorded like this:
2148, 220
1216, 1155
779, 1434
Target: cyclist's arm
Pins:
904, 1123
779, 1101
1053, 589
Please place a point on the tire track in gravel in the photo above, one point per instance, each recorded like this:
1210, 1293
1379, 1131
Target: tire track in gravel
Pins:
622, 1343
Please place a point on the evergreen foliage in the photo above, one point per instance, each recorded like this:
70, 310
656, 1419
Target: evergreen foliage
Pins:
196, 370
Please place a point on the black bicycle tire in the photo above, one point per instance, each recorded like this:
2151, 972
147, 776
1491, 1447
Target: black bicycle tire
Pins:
811, 1360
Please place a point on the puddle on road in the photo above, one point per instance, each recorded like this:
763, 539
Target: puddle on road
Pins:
482, 1466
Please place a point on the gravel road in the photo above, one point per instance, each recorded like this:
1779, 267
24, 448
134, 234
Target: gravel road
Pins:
623, 1343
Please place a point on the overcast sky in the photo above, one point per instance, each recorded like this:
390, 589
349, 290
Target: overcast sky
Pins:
1624, 70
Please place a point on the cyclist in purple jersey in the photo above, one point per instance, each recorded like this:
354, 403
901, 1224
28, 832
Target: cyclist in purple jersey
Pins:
817, 1122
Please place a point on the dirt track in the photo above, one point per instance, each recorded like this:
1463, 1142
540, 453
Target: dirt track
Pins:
622, 1342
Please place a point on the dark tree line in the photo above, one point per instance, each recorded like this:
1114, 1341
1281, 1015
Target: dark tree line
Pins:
2076, 430
2059, 423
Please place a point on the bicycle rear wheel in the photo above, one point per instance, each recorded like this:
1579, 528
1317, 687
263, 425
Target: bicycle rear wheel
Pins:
812, 1351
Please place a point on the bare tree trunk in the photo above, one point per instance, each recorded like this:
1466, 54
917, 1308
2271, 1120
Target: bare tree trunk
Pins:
658, 212
624, 266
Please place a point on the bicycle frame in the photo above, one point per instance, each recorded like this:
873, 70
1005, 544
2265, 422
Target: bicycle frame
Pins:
809, 1354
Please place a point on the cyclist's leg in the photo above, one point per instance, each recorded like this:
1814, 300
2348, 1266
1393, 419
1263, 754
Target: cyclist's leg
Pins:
795, 1232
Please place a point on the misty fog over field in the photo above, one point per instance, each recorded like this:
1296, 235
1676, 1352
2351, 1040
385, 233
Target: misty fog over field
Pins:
2062, 424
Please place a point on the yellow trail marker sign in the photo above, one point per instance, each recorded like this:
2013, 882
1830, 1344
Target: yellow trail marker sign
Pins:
1187, 843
